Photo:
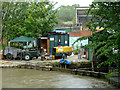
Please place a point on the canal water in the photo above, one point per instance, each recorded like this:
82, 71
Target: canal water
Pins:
28, 78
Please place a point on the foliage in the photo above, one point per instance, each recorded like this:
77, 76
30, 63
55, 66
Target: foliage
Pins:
111, 75
31, 19
106, 43
76, 50
2, 47
74, 20
68, 22
66, 13
55, 64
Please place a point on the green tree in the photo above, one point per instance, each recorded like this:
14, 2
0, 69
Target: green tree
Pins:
66, 13
31, 19
40, 19
106, 42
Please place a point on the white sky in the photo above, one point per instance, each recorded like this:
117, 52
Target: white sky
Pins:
71, 2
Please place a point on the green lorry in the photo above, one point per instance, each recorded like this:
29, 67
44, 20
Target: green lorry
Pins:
26, 52
15, 53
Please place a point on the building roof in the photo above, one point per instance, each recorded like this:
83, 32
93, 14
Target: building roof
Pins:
22, 39
59, 31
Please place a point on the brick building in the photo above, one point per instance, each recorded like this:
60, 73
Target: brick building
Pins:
80, 34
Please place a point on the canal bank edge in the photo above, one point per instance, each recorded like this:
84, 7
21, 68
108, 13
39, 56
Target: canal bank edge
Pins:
51, 67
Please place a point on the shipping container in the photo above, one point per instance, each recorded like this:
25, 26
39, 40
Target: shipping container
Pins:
56, 39
53, 40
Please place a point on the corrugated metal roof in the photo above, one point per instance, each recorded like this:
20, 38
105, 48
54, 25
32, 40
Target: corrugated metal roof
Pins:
59, 31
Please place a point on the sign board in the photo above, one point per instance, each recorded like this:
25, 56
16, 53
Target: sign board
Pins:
65, 42
44, 37
60, 49
51, 39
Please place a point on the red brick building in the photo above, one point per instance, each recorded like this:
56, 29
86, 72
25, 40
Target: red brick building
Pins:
80, 33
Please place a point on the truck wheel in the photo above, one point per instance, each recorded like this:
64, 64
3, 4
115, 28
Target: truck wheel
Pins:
9, 56
27, 57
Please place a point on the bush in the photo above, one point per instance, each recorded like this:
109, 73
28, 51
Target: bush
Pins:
55, 64
111, 75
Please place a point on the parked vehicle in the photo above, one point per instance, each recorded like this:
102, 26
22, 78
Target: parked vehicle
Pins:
24, 53
14, 53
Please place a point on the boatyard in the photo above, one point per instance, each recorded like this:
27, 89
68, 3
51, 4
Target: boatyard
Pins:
43, 45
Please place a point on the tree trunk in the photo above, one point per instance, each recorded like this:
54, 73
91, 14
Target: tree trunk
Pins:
92, 62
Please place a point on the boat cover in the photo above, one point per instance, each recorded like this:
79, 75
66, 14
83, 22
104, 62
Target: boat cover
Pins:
66, 61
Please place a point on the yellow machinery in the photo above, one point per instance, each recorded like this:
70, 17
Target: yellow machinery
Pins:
59, 51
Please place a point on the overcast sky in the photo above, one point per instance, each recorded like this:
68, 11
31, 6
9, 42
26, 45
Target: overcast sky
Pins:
71, 2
